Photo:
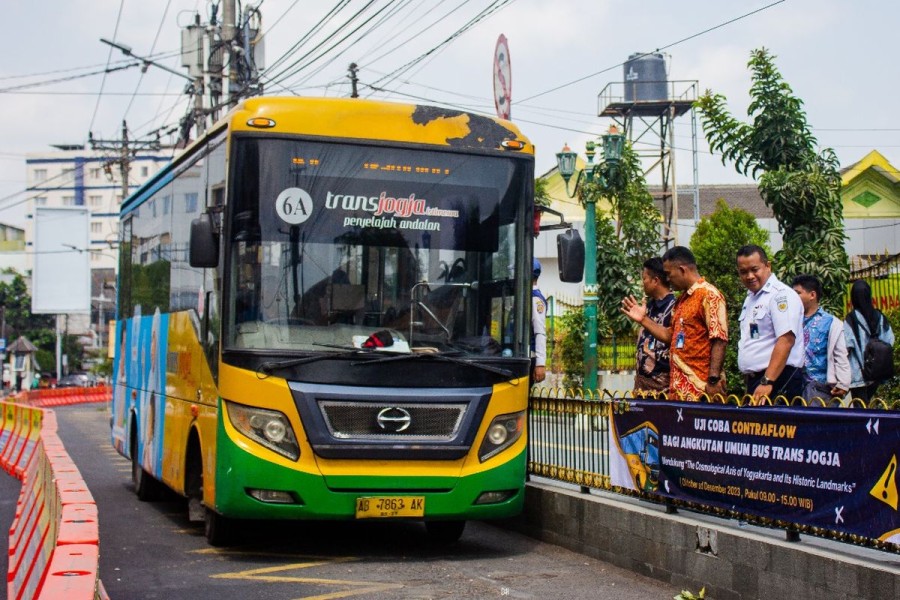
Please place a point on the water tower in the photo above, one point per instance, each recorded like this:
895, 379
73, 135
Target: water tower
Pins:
645, 105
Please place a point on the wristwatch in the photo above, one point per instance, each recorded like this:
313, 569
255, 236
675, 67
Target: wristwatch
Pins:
714, 379
766, 381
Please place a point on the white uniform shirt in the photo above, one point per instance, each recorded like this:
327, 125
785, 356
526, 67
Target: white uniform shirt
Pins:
539, 330
767, 315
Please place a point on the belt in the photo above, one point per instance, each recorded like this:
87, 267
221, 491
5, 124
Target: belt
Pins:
753, 374
787, 374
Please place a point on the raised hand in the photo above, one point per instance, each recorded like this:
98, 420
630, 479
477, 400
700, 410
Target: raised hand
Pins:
634, 311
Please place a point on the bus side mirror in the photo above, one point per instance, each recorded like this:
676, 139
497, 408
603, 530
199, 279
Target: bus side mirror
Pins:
204, 248
570, 251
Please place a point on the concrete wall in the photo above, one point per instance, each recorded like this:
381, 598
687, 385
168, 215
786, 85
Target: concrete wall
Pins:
691, 551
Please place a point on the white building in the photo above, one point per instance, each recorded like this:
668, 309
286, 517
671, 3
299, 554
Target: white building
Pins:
77, 176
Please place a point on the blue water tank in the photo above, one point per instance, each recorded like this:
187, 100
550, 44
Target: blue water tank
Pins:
645, 78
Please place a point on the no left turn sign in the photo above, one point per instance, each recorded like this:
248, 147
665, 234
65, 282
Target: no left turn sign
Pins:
502, 78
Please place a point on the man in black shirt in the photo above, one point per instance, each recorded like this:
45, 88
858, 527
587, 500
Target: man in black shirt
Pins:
652, 373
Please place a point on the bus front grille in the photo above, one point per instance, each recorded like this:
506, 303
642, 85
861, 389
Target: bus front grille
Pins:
408, 422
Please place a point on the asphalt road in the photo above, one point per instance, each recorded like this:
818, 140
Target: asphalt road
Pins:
150, 550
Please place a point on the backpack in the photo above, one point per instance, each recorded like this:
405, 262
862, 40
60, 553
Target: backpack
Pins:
878, 356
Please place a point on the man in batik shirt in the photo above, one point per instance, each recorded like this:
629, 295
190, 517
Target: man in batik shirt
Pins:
699, 331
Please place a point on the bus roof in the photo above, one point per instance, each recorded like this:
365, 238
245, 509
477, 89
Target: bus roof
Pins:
354, 119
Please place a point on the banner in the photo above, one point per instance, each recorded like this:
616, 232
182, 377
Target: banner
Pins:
829, 468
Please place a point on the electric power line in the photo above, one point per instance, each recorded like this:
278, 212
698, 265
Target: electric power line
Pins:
23, 86
295, 67
108, 59
152, 48
303, 39
485, 13
666, 47
395, 9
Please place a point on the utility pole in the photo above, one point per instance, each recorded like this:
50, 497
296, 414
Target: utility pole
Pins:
229, 79
222, 63
125, 149
353, 80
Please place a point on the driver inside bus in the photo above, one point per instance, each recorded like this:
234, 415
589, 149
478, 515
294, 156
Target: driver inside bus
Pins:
333, 299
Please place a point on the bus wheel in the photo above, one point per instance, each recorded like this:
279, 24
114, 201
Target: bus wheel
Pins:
445, 532
145, 486
219, 530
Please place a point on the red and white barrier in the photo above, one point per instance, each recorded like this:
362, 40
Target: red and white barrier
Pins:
54, 539
65, 396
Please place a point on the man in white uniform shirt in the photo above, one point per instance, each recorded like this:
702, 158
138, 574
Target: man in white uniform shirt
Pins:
538, 325
770, 351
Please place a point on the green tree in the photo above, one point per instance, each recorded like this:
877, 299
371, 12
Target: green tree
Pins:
800, 185
16, 303
890, 389
541, 195
568, 347
715, 245
627, 235
38, 328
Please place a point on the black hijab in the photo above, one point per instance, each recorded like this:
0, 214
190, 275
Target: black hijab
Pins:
861, 299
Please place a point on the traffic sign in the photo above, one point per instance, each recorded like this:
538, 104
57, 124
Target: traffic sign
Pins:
502, 79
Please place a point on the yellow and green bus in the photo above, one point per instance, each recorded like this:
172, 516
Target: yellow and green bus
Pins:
324, 313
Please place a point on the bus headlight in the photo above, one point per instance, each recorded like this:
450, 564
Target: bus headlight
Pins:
502, 433
267, 427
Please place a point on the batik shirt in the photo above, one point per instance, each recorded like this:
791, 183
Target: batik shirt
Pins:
816, 328
652, 354
698, 317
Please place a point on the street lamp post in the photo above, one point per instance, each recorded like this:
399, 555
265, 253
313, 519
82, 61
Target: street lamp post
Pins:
612, 152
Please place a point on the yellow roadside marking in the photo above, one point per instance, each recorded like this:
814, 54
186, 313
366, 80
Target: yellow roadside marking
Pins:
249, 551
268, 574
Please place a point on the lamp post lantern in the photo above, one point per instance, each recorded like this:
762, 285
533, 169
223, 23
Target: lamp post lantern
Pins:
612, 144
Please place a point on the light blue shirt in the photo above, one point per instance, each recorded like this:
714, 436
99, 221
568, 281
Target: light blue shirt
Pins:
816, 329
771, 312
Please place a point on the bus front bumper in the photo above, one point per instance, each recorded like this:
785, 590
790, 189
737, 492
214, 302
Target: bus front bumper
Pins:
250, 487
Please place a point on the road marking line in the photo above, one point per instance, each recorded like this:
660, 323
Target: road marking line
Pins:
249, 551
357, 587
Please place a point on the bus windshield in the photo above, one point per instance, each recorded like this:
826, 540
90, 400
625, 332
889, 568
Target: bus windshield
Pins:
334, 246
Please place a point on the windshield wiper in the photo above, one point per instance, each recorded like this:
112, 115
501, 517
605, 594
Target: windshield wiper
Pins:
437, 356
268, 367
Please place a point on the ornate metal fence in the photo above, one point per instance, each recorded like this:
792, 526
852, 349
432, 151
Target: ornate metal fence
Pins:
568, 437
780, 467
883, 275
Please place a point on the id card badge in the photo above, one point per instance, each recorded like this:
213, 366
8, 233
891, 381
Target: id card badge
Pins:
679, 340
754, 331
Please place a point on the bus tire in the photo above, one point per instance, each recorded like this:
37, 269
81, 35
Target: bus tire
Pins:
219, 530
445, 532
146, 488
193, 479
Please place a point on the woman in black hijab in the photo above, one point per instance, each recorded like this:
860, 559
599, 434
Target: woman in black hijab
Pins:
862, 323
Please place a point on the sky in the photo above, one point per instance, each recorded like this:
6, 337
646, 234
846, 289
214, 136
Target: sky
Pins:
835, 55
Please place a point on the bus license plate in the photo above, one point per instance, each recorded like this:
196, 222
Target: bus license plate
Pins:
385, 507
